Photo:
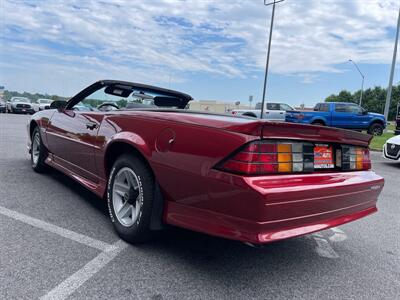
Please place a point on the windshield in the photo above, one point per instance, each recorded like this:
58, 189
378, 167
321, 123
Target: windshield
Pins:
132, 100
45, 101
20, 100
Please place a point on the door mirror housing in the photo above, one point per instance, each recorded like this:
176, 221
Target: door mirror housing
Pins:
58, 104
364, 112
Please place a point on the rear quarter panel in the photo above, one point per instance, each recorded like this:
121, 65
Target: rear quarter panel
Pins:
182, 167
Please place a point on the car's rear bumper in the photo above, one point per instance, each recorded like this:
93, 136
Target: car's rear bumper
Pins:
272, 208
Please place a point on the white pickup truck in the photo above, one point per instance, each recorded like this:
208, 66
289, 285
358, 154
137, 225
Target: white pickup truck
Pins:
273, 111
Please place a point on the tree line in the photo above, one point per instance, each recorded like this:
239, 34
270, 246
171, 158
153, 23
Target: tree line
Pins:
373, 99
34, 97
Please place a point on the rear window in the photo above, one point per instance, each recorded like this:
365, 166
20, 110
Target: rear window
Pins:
273, 106
322, 107
348, 108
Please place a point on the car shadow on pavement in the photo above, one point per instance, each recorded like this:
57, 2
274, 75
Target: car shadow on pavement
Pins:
202, 251
393, 164
92, 199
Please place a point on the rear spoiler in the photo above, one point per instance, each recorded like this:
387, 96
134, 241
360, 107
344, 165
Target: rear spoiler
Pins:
292, 131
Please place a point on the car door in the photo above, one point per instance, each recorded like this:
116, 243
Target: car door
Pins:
341, 116
283, 108
72, 139
349, 115
273, 111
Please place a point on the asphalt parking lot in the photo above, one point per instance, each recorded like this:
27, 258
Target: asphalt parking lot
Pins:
56, 242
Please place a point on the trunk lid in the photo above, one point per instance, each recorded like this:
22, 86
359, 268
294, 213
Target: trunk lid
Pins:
261, 128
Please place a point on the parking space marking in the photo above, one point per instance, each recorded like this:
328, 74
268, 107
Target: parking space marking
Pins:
324, 248
77, 237
72, 283
338, 235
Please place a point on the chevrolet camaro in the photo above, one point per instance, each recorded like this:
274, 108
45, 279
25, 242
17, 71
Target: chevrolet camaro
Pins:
246, 179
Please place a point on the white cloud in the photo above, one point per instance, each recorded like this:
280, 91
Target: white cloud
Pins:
150, 40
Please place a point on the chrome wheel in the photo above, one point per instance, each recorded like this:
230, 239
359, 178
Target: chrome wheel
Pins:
35, 149
127, 197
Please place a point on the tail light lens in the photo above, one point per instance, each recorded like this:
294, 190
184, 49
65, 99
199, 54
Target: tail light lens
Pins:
268, 157
354, 158
282, 157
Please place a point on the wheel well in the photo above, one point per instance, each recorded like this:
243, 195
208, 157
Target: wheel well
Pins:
32, 127
249, 115
318, 121
376, 122
116, 149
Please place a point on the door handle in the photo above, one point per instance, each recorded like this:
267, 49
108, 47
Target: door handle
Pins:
281, 113
91, 125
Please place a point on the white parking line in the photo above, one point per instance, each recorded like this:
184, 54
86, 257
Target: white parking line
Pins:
338, 235
72, 283
324, 248
77, 237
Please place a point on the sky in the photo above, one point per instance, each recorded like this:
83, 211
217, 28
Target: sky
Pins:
213, 50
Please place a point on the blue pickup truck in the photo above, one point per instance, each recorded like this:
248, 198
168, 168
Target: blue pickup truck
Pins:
342, 115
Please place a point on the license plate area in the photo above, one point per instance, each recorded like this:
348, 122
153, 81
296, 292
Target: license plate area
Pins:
323, 156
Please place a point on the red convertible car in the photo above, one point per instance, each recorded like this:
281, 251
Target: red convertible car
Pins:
241, 178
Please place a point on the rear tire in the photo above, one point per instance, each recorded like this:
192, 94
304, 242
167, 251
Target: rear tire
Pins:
38, 152
375, 129
130, 198
318, 123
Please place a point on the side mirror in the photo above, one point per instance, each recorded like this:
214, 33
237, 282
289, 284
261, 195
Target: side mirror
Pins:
58, 104
364, 112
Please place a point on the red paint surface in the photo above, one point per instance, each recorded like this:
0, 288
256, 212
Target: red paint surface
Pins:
254, 209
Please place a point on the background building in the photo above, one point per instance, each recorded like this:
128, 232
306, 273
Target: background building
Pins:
215, 106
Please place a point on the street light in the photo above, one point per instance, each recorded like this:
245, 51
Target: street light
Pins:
389, 92
268, 52
362, 82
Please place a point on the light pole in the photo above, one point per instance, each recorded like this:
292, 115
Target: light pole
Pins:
268, 52
389, 92
362, 82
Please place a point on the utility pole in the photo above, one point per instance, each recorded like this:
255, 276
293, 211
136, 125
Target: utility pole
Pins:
268, 52
389, 92
362, 82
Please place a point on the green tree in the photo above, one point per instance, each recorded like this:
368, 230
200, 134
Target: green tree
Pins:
373, 99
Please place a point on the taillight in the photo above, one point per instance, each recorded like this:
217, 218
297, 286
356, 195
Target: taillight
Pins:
274, 157
270, 157
353, 158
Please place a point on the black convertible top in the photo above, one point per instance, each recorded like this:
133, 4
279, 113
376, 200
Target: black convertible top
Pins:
126, 85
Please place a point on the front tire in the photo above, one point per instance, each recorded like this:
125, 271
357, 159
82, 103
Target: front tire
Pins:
38, 152
130, 198
375, 129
